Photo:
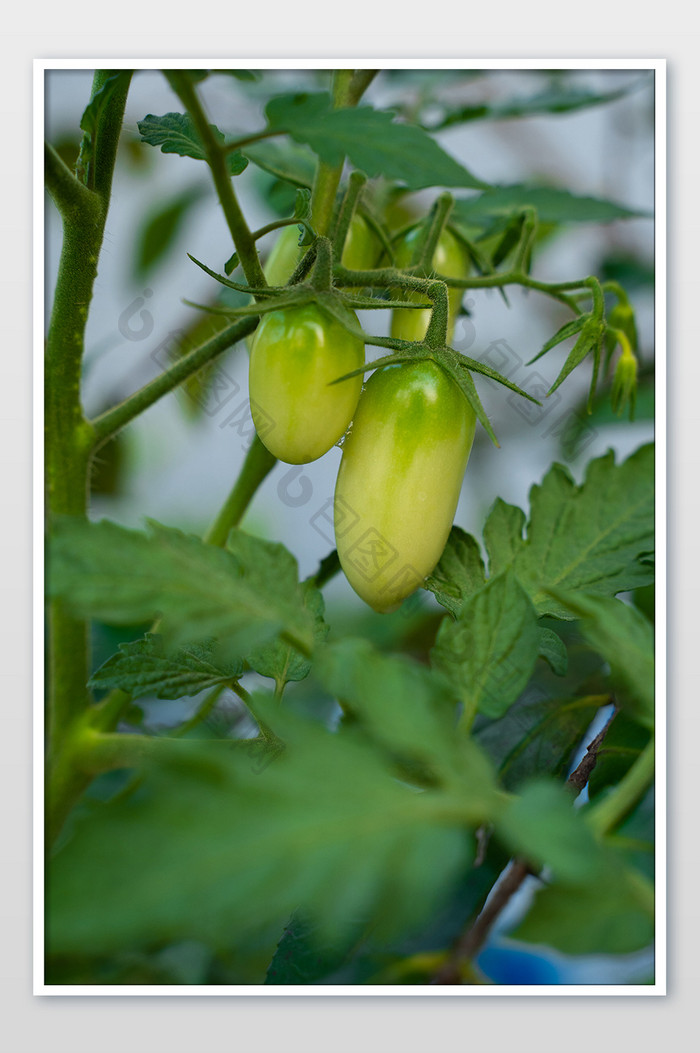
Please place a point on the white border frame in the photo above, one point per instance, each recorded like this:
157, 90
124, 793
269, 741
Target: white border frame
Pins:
41, 66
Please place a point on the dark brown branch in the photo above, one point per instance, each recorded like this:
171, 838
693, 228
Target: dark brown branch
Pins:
473, 939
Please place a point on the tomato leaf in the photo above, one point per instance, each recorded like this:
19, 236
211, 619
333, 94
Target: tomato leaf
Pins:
460, 572
325, 828
593, 902
144, 667
407, 709
373, 141
244, 597
592, 537
624, 637
489, 652
553, 649
552, 204
611, 916
537, 736
279, 659
553, 100
176, 134
161, 228
290, 162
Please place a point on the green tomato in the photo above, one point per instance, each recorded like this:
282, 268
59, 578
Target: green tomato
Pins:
451, 259
296, 354
283, 258
361, 251
399, 480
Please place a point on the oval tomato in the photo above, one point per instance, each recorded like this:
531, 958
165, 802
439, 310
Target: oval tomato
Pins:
451, 259
399, 480
295, 355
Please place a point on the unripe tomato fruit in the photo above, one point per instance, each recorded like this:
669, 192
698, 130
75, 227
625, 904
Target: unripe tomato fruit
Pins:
360, 252
451, 259
295, 355
399, 480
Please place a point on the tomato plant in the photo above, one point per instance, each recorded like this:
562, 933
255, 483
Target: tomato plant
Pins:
400, 479
303, 722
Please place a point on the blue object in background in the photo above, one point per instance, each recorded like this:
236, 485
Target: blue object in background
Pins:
505, 964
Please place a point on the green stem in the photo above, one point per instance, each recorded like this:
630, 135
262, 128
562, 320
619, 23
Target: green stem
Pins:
243, 240
327, 178
436, 334
258, 463
606, 815
69, 437
351, 198
359, 82
98, 752
116, 418
431, 232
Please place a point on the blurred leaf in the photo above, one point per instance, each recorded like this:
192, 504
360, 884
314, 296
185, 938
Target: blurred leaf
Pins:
304, 956
554, 100
214, 845
286, 161
175, 134
279, 659
144, 667
459, 573
593, 903
537, 737
160, 229
631, 272
552, 204
610, 916
371, 138
625, 638
591, 537
245, 596
489, 652
408, 709
553, 649
542, 825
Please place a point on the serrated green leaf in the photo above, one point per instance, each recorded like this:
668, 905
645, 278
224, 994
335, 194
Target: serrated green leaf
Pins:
503, 535
460, 572
552, 204
537, 737
590, 537
214, 845
244, 597
489, 652
145, 667
279, 659
553, 649
624, 637
373, 141
176, 134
